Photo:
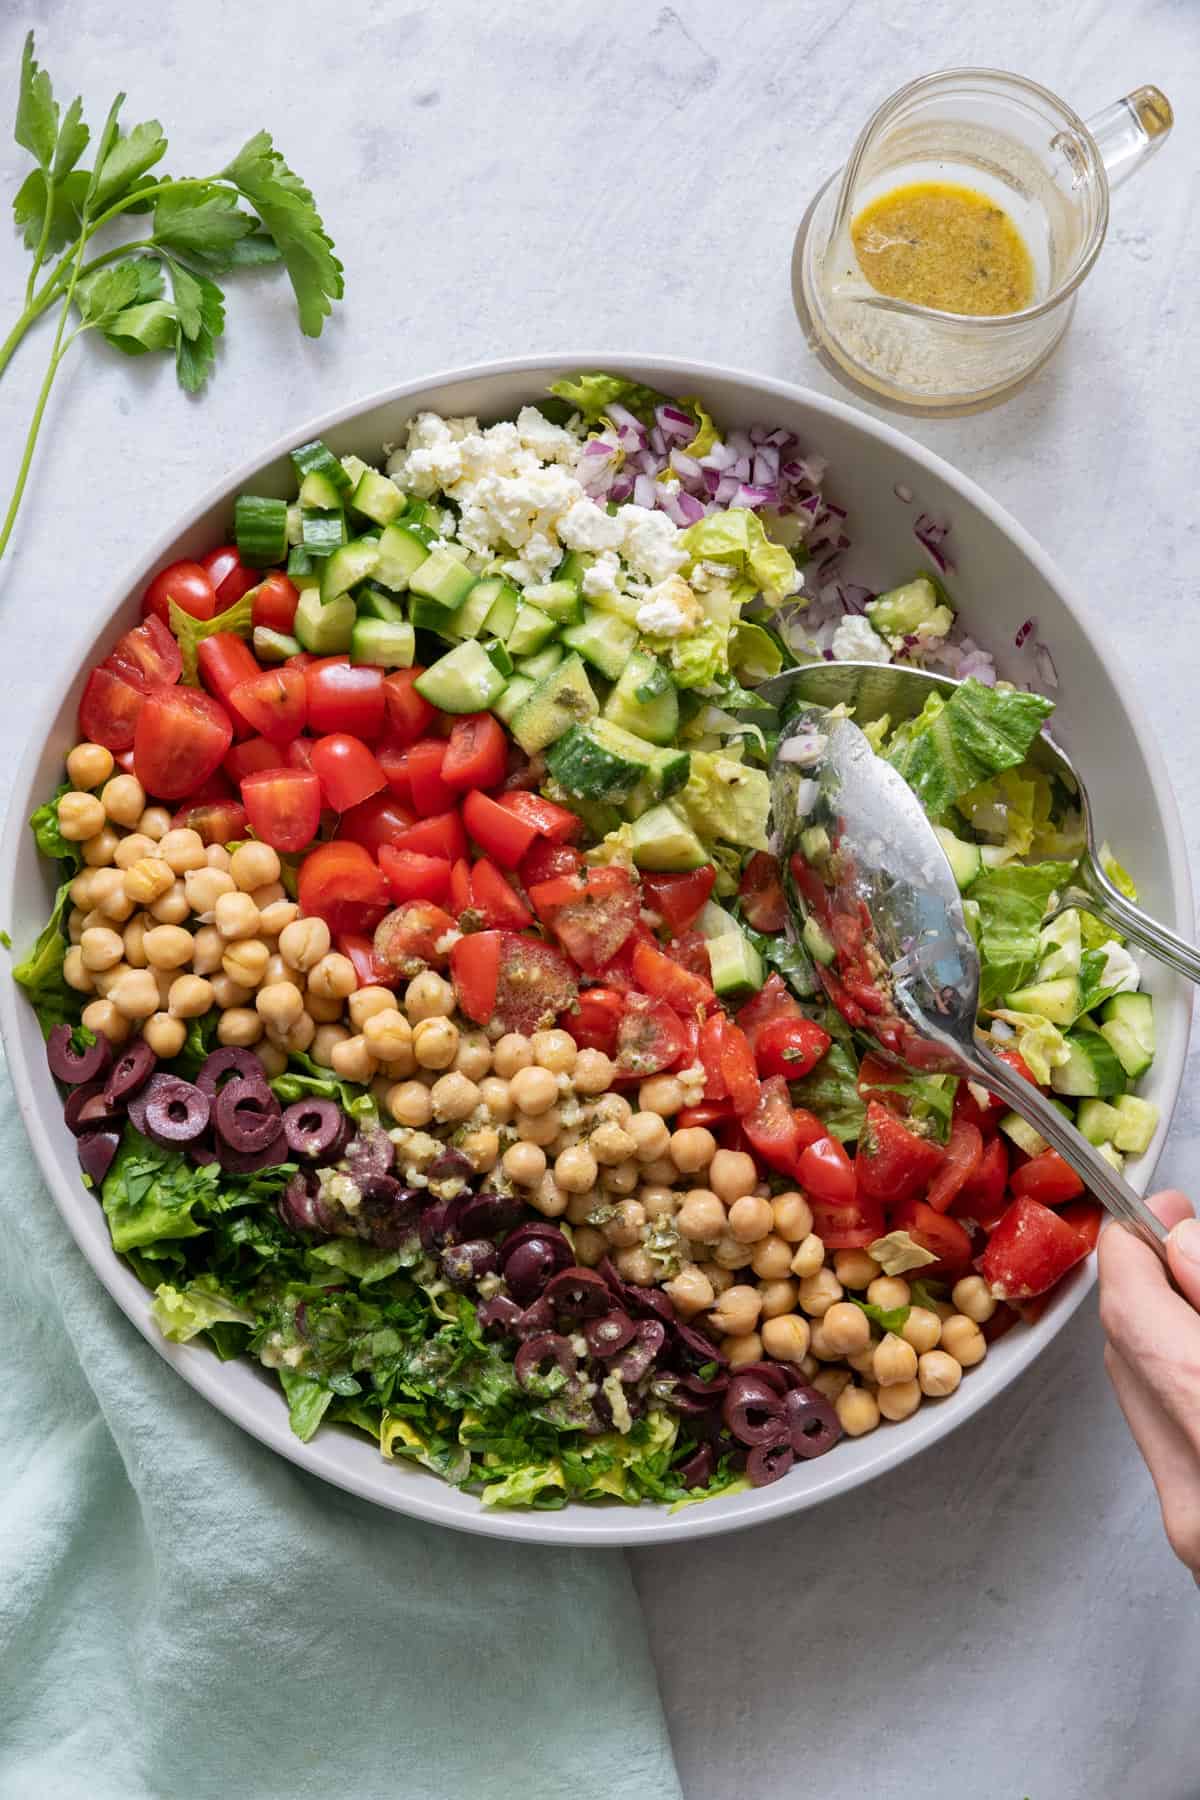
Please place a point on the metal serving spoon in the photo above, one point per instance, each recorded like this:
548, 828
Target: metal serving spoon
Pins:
886, 911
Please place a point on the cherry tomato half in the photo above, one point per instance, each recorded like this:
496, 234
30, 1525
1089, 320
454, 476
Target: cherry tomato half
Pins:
349, 773
477, 753
225, 661
188, 584
345, 697
790, 1047
343, 884
496, 830
413, 876
229, 576
375, 822
283, 806
594, 1024
275, 603
179, 739
409, 714
679, 899
274, 702
495, 899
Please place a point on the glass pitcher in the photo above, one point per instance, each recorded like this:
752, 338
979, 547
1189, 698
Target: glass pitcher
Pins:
1019, 146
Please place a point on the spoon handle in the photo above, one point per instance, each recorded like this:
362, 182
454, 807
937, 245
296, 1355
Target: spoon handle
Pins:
1111, 1189
1106, 899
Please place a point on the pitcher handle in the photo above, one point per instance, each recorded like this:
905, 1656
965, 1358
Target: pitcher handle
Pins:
1130, 130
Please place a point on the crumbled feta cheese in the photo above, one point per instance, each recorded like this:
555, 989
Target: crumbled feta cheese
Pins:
447, 941
586, 526
341, 1189
614, 1393
551, 442
1120, 970
293, 1356
856, 640
649, 546
669, 608
271, 1354
603, 576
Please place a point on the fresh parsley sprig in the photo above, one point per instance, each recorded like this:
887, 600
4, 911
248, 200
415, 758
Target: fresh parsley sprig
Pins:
155, 292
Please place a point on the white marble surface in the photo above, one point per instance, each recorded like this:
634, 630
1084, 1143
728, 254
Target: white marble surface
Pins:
1002, 1617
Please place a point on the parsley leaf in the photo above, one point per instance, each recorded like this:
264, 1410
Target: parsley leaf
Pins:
289, 214
127, 157
200, 309
104, 295
73, 136
36, 129
887, 1318
203, 222
29, 209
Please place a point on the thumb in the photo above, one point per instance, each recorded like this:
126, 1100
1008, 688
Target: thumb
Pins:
1183, 1246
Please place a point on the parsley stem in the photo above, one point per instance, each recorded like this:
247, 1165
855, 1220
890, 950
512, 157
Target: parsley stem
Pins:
39, 255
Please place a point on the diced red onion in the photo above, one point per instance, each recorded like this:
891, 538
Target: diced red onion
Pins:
645, 491
691, 508
741, 468
675, 426
687, 468
658, 442
624, 420
1024, 631
712, 480
752, 497
739, 443
719, 457
621, 489
726, 488
765, 468
854, 598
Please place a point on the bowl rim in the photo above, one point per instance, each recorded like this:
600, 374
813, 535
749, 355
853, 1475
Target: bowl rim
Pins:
578, 1524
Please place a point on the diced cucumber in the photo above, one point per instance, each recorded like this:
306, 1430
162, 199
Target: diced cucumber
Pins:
355, 468
389, 643
600, 761
599, 818
541, 663
1091, 1067
621, 606
603, 640
531, 629
737, 968
1111, 1155
424, 514
475, 611
274, 646
815, 846
347, 566
558, 702
560, 599
499, 656
299, 563
317, 490
1138, 1123
574, 566
323, 528
427, 615
1098, 1121
965, 859
324, 630
316, 458
260, 528
1056, 1000
714, 921
513, 698
375, 497
402, 550
374, 603
442, 577
465, 680
503, 614
820, 947
1128, 1024
666, 843
645, 700
666, 774
1023, 1134
295, 531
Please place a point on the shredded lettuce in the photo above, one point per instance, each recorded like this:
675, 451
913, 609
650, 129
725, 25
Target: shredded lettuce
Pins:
831, 1091
737, 539
40, 973
954, 745
183, 1313
190, 633
1011, 810
725, 799
754, 653
1012, 903
592, 395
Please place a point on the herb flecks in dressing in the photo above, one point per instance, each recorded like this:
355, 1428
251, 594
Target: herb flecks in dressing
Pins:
937, 244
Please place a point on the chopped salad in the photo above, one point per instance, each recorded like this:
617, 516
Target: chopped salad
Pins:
423, 994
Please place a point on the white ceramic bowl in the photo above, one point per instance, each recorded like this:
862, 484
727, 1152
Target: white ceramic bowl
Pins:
1001, 578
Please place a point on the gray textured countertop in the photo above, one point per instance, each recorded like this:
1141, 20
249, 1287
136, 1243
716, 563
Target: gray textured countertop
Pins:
1002, 1616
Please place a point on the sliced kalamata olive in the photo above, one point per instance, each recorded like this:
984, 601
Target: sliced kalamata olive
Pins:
387, 1212
579, 1293
450, 1166
648, 1340
247, 1115
537, 1228
463, 1264
530, 1365
219, 1065
772, 1373
650, 1303
313, 1128
813, 1425
75, 1066
177, 1113
752, 1410
695, 1350
202, 1151
487, 1215
88, 1109
709, 1391
96, 1150
699, 1468
300, 1205
498, 1316
530, 1266
370, 1152
767, 1462
248, 1162
130, 1073
537, 1317
609, 1335
618, 1288
137, 1105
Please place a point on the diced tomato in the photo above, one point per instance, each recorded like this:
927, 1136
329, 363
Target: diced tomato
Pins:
494, 897
555, 823
409, 714
477, 753
475, 971
894, 1163
217, 821
299, 753
938, 1233
690, 1052
967, 1108
108, 711
592, 914
828, 1173
179, 739
617, 972
536, 983
1085, 1217
544, 860
594, 1024
430, 792
408, 939
343, 884
775, 1001
712, 1039
664, 979
345, 697
412, 876
251, 756
441, 836
761, 893
849, 1224
370, 971
229, 576
225, 661
274, 702
460, 887
496, 830
275, 602
188, 584
1030, 1250
790, 1047
772, 1127
375, 822
1048, 1178
650, 1036
738, 1071
690, 951
983, 1196
878, 1079
707, 1113
679, 899
393, 760
963, 1155
348, 772
148, 656
284, 807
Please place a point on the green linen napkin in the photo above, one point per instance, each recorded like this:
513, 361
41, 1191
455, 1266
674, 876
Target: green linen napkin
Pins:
185, 1616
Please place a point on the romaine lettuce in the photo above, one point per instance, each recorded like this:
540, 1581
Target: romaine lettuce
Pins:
592, 395
737, 539
1012, 903
954, 745
726, 799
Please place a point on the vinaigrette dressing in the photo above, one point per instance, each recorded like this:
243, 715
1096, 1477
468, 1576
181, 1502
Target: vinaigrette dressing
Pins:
942, 245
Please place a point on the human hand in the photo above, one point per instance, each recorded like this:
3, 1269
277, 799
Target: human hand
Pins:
1153, 1360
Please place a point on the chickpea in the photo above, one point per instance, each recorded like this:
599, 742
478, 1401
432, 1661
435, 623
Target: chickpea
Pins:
208, 947
473, 1057
626, 1225
245, 961
847, 1327
809, 1257
279, 1005
575, 1170
101, 948
611, 1109
435, 1043
454, 1097
820, 1291
134, 939
778, 1296
720, 1280
183, 849
324, 1012
135, 994
750, 1218
368, 1001
154, 822
539, 1128
741, 1350
659, 1173
974, 1299
111, 902
388, 1033
204, 888
579, 1207
133, 848
690, 1292
273, 1057
701, 1217
80, 816
253, 865
524, 1163
650, 1135
922, 1329
661, 1094
429, 996
611, 1144
737, 1310
102, 1017
304, 942
165, 979
692, 1148
77, 923
732, 1175
321, 1049
620, 1178
938, 1374
166, 1036
858, 1411
594, 1072
546, 1197
240, 1026
105, 980
483, 1147
190, 997
167, 946
636, 1265
269, 894
278, 970
76, 973
855, 1269
81, 891
534, 1089
495, 1096
101, 850
297, 1037
889, 1291
218, 857
772, 1258
352, 1060
894, 1361
591, 1246
786, 1336
658, 1202
831, 1383
124, 801
554, 1050
899, 1400
333, 978
147, 880
276, 915
172, 907
963, 1340
227, 992
512, 1053
235, 915
89, 765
